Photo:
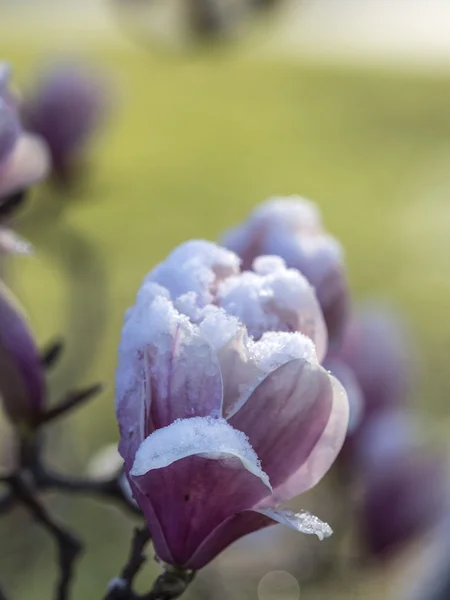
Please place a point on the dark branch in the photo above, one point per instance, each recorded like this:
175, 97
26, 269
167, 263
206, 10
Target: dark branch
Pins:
69, 546
52, 353
122, 589
109, 489
8, 206
7, 501
171, 584
137, 557
73, 400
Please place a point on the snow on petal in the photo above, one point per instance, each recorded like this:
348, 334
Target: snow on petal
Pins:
304, 521
209, 438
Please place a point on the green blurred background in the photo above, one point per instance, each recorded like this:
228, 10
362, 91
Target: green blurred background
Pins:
194, 141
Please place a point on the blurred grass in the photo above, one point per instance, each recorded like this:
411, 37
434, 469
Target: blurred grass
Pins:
194, 143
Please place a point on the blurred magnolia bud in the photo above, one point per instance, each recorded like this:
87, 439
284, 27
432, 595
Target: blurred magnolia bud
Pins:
68, 105
23, 158
355, 397
376, 348
22, 383
291, 228
405, 487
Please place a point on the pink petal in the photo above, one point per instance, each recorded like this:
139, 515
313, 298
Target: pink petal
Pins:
192, 476
182, 383
296, 422
326, 449
249, 521
166, 372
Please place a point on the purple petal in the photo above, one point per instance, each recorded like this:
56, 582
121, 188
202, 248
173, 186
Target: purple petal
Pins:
296, 421
192, 476
182, 383
66, 109
226, 533
249, 521
22, 385
166, 372
325, 451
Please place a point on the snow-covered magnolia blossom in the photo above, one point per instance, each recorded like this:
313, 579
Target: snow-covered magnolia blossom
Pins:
223, 408
23, 158
291, 227
22, 383
65, 109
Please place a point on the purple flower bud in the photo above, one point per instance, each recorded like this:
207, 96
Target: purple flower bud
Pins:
22, 384
291, 228
404, 485
23, 158
218, 428
375, 347
65, 110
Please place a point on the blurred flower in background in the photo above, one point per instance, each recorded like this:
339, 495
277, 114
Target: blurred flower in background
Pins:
67, 106
179, 22
402, 481
22, 380
23, 161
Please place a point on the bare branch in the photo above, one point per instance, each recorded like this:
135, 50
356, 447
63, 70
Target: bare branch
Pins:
69, 547
73, 400
52, 353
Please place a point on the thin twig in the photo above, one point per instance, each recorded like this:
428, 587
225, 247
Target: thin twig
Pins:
137, 557
2, 595
122, 588
109, 489
73, 400
9, 205
69, 546
52, 353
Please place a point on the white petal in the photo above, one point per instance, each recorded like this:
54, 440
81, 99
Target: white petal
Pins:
304, 522
11, 243
28, 163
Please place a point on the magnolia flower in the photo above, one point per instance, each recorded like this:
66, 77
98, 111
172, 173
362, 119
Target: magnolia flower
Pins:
218, 427
404, 485
23, 159
65, 110
291, 228
22, 383
375, 347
